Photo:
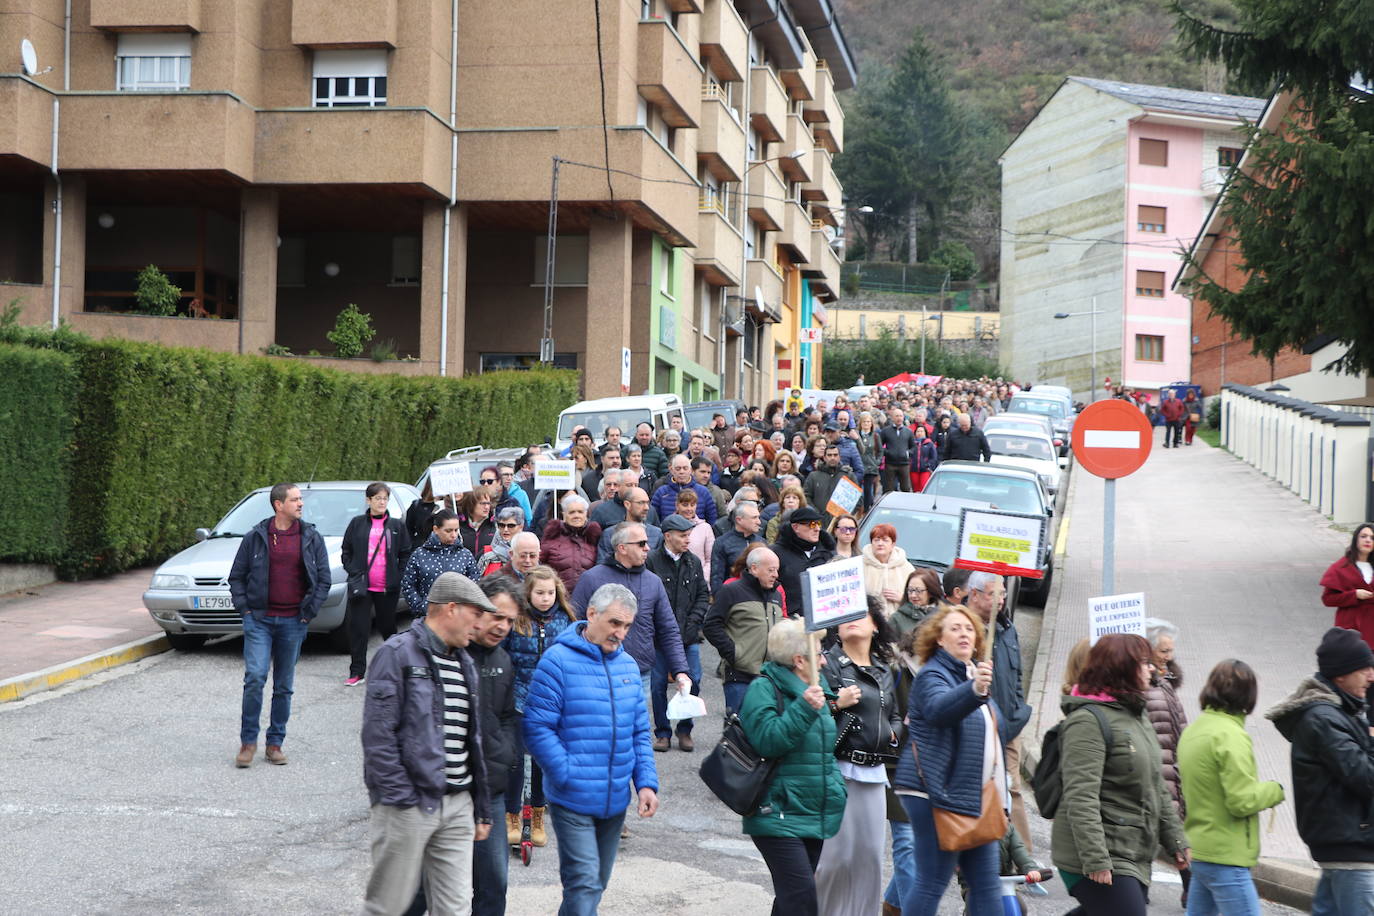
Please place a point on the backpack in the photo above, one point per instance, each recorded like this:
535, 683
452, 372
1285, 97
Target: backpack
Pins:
1047, 782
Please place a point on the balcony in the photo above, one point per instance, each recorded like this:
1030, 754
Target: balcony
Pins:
763, 280
824, 112
796, 232
767, 104
823, 266
343, 23
724, 40
668, 73
149, 131
25, 121
1214, 179
824, 187
767, 194
801, 82
354, 146
143, 15
720, 247
720, 140
798, 138
511, 166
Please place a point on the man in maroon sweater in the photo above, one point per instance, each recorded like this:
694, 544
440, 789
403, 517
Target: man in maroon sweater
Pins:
279, 580
1172, 410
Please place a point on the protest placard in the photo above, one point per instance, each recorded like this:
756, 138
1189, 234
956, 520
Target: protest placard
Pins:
1116, 614
834, 593
844, 498
1005, 543
555, 475
450, 478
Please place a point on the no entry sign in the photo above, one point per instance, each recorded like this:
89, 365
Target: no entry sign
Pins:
1111, 439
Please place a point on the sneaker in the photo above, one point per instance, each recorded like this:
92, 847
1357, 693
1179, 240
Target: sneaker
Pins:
353, 682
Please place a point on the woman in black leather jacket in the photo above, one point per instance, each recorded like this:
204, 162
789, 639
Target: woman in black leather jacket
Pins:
849, 877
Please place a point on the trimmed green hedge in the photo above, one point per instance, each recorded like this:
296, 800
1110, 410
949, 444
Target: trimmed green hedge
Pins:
36, 439
167, 439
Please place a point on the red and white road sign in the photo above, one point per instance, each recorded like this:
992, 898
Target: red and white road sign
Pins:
1111, 439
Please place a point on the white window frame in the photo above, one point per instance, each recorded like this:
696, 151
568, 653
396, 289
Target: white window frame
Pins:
349, 79
166, 54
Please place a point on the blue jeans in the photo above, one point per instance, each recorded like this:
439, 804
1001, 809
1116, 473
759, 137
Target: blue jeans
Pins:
734, 694
586, 854
903, 864
1344, 892
934, 868
273, 642
490, 858
659, 696
1217, 889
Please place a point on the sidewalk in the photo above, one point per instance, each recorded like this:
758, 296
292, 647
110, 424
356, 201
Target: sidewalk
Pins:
1230, 557
68, 630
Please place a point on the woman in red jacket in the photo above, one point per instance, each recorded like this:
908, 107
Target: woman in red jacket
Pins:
1346, 585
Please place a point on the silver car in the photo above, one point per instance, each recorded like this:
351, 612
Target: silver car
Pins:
189, 595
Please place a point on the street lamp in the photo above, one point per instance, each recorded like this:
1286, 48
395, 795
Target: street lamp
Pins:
924, 319
1092, 392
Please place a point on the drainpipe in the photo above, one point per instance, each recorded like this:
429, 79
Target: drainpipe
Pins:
57, 196
452, 189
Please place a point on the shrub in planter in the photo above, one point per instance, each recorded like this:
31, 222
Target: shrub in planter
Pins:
156, 295
352, 329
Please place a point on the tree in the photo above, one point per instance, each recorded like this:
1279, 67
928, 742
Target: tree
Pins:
1302, 211
888, 354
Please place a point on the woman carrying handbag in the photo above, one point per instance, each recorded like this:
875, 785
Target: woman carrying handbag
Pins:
374, 554
951, 777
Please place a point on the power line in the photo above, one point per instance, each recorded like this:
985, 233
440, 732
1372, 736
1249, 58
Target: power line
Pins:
601, 76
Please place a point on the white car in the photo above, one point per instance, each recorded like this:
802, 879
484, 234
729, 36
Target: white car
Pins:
1026, 449
1025, 422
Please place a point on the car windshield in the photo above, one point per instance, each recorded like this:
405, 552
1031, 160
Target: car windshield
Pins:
923, 536
599, 421
1045, 406
700, 417
1015, 494
328, 510
1019, 446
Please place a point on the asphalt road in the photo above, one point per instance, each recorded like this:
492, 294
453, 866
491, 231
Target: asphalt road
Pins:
119, 796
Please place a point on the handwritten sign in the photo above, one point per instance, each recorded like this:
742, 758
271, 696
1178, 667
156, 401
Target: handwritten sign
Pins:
555, 475
450, 478
1005, 543
844, 498
834, 593
1116, 614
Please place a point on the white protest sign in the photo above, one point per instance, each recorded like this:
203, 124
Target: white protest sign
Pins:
450, 478
834, 593
555, 475
1005, 543
844, 498
1116, 614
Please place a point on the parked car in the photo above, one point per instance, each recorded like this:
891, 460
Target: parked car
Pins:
1027, 422
189, 593
698, 415
475, 457
1058, 409
1060, 390
1003, 486
625, 413
1027, 449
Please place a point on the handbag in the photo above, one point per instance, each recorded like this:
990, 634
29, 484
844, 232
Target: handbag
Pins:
736, 773
357, 582
1194, 418
957, 832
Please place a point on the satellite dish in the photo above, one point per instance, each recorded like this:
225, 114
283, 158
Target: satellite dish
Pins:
29, 57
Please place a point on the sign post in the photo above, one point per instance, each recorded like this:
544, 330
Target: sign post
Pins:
831, 595
1111, 439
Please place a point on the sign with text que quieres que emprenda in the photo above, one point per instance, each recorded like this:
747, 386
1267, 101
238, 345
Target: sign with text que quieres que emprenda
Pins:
1116, 614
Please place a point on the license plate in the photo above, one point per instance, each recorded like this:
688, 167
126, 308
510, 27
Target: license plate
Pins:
214, 602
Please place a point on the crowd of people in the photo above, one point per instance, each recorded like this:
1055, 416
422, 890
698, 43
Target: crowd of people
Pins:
538, 669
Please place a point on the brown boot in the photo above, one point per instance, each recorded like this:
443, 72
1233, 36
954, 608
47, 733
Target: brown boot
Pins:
244, 760
513, 829
890, 910
274, 755
537, 834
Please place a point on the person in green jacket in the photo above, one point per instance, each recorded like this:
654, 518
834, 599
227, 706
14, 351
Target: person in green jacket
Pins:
1115, 811
788, 721
1224, 796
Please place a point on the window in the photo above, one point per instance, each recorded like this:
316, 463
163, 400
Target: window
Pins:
1154, 152
569, 260
706, 300
665, 271
350, 79
405, 260
1149, 283
1228, 156
1150, 219
153, 62
1149, 348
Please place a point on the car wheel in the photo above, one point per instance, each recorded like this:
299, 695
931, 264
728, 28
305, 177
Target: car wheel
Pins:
185, 642
1041, 594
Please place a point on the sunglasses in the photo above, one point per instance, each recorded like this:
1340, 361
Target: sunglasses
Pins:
813, 525
487, 481
643, 543
507, 524
846, 529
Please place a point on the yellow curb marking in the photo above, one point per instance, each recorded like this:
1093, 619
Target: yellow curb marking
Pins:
1062, 541
20, 687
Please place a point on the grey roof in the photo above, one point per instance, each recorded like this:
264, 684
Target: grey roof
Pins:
1183, 101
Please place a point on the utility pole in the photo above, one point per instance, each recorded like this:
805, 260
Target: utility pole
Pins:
550, 253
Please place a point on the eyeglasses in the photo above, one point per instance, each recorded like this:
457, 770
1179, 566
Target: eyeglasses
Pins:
487, 481
507, 524
812, 525
846, 529
643, 543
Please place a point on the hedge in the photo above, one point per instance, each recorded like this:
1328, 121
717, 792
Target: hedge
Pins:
168, 439
36, 438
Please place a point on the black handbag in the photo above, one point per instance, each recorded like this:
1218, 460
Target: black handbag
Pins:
736, 773
357, 582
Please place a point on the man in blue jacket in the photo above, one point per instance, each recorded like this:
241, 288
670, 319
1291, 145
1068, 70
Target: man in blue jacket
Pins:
665, 497
279, 580
587, 726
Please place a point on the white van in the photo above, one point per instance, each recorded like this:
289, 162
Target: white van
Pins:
625, 413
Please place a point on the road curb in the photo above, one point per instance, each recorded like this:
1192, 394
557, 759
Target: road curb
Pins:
1286, 882
23, 685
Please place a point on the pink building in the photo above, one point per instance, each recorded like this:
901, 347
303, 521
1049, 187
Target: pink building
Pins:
1101, 193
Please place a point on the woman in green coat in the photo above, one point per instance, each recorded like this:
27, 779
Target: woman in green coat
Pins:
1115, 811
790, 722
1224, 795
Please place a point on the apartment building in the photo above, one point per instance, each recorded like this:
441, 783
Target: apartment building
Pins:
279, 160
1101, 193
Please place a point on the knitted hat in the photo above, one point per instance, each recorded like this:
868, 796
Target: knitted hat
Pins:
1341, 652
